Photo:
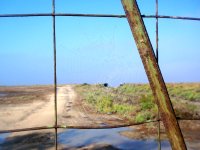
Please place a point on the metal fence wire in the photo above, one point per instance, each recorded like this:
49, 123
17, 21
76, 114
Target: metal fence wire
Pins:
54, 15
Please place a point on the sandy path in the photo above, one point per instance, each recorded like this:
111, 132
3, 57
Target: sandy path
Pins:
72, 114
75, 113
44, 114
35, 114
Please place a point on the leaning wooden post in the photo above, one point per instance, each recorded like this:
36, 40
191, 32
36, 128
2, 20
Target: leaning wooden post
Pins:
154, 74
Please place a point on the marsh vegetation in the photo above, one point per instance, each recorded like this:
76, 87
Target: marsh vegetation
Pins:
136, 103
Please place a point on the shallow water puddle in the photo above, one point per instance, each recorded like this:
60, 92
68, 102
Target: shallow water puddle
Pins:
3, 94
79, 138
3, 137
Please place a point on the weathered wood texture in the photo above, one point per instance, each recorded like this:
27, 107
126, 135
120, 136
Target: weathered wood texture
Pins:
154, 74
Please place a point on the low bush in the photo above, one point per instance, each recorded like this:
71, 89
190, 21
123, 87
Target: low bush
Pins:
105, 104
147, 102
143, 116
123, 109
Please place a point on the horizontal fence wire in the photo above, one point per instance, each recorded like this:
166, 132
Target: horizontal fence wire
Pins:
85, 127
75, 127
95, 15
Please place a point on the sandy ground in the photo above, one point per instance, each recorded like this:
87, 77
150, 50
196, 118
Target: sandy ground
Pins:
70, 111
34, 114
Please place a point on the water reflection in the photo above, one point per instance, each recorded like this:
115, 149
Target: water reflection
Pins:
3, 137
2, 94
76, 138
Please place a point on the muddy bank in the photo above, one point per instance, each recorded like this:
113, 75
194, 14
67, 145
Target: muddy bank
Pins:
24, 94
189, 128
29, 140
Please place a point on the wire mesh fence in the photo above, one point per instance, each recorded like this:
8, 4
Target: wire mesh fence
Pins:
57, 126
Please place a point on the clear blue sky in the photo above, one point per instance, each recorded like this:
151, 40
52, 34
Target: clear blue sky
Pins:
95, 50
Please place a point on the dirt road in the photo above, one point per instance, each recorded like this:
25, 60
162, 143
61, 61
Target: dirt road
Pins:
45, 115
33, 114
70, 110
76, 113
73, 113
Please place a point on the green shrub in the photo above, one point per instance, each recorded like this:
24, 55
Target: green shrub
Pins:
105, 104
191, 96
139, 118
127, 89
123, 108
146, 102
90, 98
143, 117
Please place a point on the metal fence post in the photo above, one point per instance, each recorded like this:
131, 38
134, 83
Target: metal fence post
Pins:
154, 74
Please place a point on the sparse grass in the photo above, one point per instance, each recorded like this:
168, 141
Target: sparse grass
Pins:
136, 102
123, 109
104, 103
185, 91
192, 107
134, 88
147, 102
143, 116
147, 109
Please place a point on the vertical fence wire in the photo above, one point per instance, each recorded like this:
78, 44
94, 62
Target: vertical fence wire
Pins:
157, 55
157, 59
55, 74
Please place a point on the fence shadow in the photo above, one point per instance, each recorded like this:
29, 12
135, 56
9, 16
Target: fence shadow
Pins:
38, 140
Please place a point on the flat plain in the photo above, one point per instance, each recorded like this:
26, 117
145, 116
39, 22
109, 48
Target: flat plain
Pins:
98, 105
